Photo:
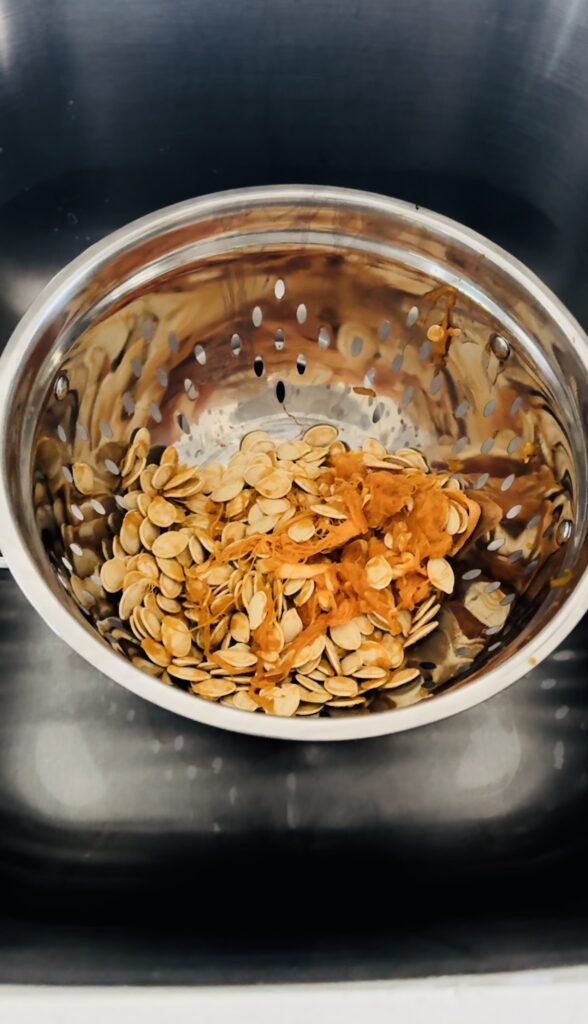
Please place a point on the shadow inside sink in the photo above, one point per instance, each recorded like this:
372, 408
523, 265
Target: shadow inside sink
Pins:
140, 847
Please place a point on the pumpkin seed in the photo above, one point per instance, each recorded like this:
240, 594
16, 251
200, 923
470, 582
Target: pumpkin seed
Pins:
132, 596
239, 628
348, 636
371, 672
176, 637
190, 579
161, 512
345, 703
187, 672
276, 484
148, 534
214, 689
329, 511
162, 475
306, 710
83, 477
236, 658
341, 686
171, 567
228, 488
309, 652
243, 702
301, 531
441, 574
112, 575
168, 604
249, 441
179, 482
285, 700
151, 623
169, 545
169, 587
156, 652
400, 677
256, 609
129, 532
321, 436
273, 506
420, 633
379, 572
375, 448
291, 624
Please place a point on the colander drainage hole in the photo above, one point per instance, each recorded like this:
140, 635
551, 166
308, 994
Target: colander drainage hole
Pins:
435, 383
406, 398
378, 412
324, 338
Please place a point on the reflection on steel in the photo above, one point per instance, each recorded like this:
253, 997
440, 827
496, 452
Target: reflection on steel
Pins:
140, 329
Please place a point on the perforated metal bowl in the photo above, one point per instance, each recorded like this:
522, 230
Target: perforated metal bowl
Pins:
277, 308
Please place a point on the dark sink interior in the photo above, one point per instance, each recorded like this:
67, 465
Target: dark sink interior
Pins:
140, 847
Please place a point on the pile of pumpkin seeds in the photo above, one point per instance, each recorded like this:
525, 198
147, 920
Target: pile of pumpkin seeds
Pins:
227, 628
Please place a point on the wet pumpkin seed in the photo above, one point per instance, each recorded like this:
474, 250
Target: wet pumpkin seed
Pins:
195, 566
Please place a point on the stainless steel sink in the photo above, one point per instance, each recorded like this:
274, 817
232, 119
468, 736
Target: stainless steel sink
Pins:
137, 847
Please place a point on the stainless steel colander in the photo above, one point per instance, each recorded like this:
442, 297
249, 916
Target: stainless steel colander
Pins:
276, 308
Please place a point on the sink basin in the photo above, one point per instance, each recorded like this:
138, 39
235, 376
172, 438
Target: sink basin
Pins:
137, 847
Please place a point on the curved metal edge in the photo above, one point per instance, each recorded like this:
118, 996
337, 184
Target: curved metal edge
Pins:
97, 654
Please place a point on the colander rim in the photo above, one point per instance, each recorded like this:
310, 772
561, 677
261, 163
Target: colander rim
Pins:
21, 563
